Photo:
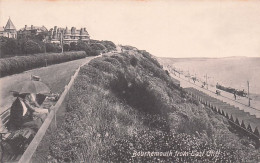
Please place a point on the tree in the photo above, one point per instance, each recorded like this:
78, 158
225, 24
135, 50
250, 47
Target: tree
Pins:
99, 47
50, 47
85, 47
31, 47
66, 47
82, 45
9, 46
73, 46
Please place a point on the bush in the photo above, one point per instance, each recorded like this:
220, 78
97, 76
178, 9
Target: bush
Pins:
150, 57
110, 46
133, 61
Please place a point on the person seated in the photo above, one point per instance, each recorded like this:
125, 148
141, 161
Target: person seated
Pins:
18, 113
25, 112
30, 102
35, 99
31, 99
38, 114
40, 98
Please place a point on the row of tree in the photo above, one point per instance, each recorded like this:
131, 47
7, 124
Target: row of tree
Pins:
33, 45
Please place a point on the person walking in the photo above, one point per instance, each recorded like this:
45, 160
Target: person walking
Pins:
235, 96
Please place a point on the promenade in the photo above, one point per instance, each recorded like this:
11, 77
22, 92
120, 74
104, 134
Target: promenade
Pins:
240, 102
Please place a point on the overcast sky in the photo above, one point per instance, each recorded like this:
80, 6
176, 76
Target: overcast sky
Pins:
164, 28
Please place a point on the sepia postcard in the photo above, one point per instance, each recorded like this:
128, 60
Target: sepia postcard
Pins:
129, 81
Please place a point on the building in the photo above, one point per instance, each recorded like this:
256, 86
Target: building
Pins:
9, 30
56, 35
32, 30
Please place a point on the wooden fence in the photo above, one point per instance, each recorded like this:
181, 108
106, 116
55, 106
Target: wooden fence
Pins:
27, 156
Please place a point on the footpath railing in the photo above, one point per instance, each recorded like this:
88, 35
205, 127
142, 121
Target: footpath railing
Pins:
50, 122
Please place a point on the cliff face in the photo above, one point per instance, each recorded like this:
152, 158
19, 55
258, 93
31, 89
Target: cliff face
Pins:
125, 104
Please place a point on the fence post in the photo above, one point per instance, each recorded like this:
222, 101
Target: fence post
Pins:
55, 119
52, 127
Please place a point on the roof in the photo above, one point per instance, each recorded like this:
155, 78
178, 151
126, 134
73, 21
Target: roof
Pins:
9, 25
42, 28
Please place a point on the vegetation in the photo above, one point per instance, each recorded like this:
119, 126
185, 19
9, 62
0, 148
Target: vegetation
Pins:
34, 44
128, 47
23, 46
103, 45
19, 64
87, 48
124, 104
31, 52
55, 48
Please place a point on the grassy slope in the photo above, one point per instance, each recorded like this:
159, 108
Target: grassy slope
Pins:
126, 103
55, 76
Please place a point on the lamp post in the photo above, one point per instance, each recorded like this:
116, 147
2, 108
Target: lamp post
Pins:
61, 41
206, 76
45, 40
248, 93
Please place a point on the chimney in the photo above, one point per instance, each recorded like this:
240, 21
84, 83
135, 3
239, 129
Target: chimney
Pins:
25, 27
31, 26
85, 29
73, 30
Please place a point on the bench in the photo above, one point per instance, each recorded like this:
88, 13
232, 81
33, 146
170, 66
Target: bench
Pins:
4, 117
9, 134
4, 136
19, 138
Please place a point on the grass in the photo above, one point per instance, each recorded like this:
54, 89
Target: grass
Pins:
125, 103
55, 76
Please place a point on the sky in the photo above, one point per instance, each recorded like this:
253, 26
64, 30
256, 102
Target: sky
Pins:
180, 28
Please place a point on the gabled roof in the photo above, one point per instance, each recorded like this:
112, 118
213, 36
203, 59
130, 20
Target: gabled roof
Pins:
9, 25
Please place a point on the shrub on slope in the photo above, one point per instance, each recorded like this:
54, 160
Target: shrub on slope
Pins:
119, 107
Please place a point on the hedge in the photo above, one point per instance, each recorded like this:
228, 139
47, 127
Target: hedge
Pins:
18, 64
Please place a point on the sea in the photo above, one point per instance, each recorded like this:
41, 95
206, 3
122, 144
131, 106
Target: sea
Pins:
235, 72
